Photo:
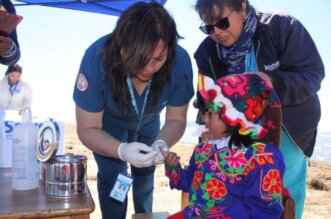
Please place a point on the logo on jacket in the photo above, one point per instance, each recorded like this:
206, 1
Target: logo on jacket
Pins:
271, 67
81, 82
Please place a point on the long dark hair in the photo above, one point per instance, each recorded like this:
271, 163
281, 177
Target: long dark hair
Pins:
131, 44
237, 139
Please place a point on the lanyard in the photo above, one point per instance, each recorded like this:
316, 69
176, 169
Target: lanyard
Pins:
134, 104
250, 62
12, 89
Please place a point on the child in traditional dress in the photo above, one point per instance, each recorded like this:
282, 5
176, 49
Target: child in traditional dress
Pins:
237, 171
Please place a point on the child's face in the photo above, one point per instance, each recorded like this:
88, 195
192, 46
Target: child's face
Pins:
215, 127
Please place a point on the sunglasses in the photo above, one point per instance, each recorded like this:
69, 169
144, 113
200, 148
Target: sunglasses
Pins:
222, 24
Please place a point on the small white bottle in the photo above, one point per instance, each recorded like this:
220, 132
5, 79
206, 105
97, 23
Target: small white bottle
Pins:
25, 167
2, 137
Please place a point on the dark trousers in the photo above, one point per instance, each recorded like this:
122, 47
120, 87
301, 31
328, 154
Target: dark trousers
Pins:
142, 187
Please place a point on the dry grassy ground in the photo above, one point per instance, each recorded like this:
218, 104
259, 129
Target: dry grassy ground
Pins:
318, 202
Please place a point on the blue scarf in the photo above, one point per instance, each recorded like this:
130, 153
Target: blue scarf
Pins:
234, 56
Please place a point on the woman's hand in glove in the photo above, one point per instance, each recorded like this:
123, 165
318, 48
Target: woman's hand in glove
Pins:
137, 154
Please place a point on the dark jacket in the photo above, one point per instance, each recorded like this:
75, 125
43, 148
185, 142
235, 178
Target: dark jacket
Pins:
286, 52
16, 53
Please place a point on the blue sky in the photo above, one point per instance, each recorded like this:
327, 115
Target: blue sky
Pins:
53, 42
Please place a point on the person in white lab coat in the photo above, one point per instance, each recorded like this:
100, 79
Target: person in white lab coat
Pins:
15, 93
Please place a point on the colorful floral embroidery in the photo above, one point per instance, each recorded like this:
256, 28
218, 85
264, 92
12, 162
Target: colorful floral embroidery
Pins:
172, 172
260, 159
197, 211
264, 158
202, 153
236, 158
212, 165
258, 147
214, 106
215, 171
197, 179
216, 212
206, 149
254, 108
216, 189
218, 216
235, 85
272, 182
231, 162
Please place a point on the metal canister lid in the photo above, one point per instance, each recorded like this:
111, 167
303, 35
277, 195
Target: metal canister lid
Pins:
48, 141
69, 158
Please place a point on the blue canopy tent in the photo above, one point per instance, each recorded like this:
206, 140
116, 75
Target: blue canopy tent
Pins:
110, 7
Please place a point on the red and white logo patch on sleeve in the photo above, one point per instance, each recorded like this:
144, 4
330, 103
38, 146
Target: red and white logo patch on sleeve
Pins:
81, 82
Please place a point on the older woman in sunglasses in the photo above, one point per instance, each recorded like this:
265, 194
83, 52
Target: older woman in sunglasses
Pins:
278, 48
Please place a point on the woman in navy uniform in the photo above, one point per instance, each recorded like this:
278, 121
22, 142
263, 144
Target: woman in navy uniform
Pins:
125, 80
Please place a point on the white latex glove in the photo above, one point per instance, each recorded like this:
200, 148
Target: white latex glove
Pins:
159, 159
137, 154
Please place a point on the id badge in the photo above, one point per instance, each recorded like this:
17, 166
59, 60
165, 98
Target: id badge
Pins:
121, 187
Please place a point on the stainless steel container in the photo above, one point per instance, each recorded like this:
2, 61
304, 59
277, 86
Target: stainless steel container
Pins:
65, 175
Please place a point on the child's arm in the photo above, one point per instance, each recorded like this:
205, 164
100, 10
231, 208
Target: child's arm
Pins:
179, 178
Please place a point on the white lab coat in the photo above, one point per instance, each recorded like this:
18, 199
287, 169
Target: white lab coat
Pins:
21, 98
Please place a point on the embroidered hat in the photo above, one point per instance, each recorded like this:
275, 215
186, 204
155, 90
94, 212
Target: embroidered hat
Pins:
246, 100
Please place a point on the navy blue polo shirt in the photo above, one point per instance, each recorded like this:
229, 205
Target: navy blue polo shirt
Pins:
93, 94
